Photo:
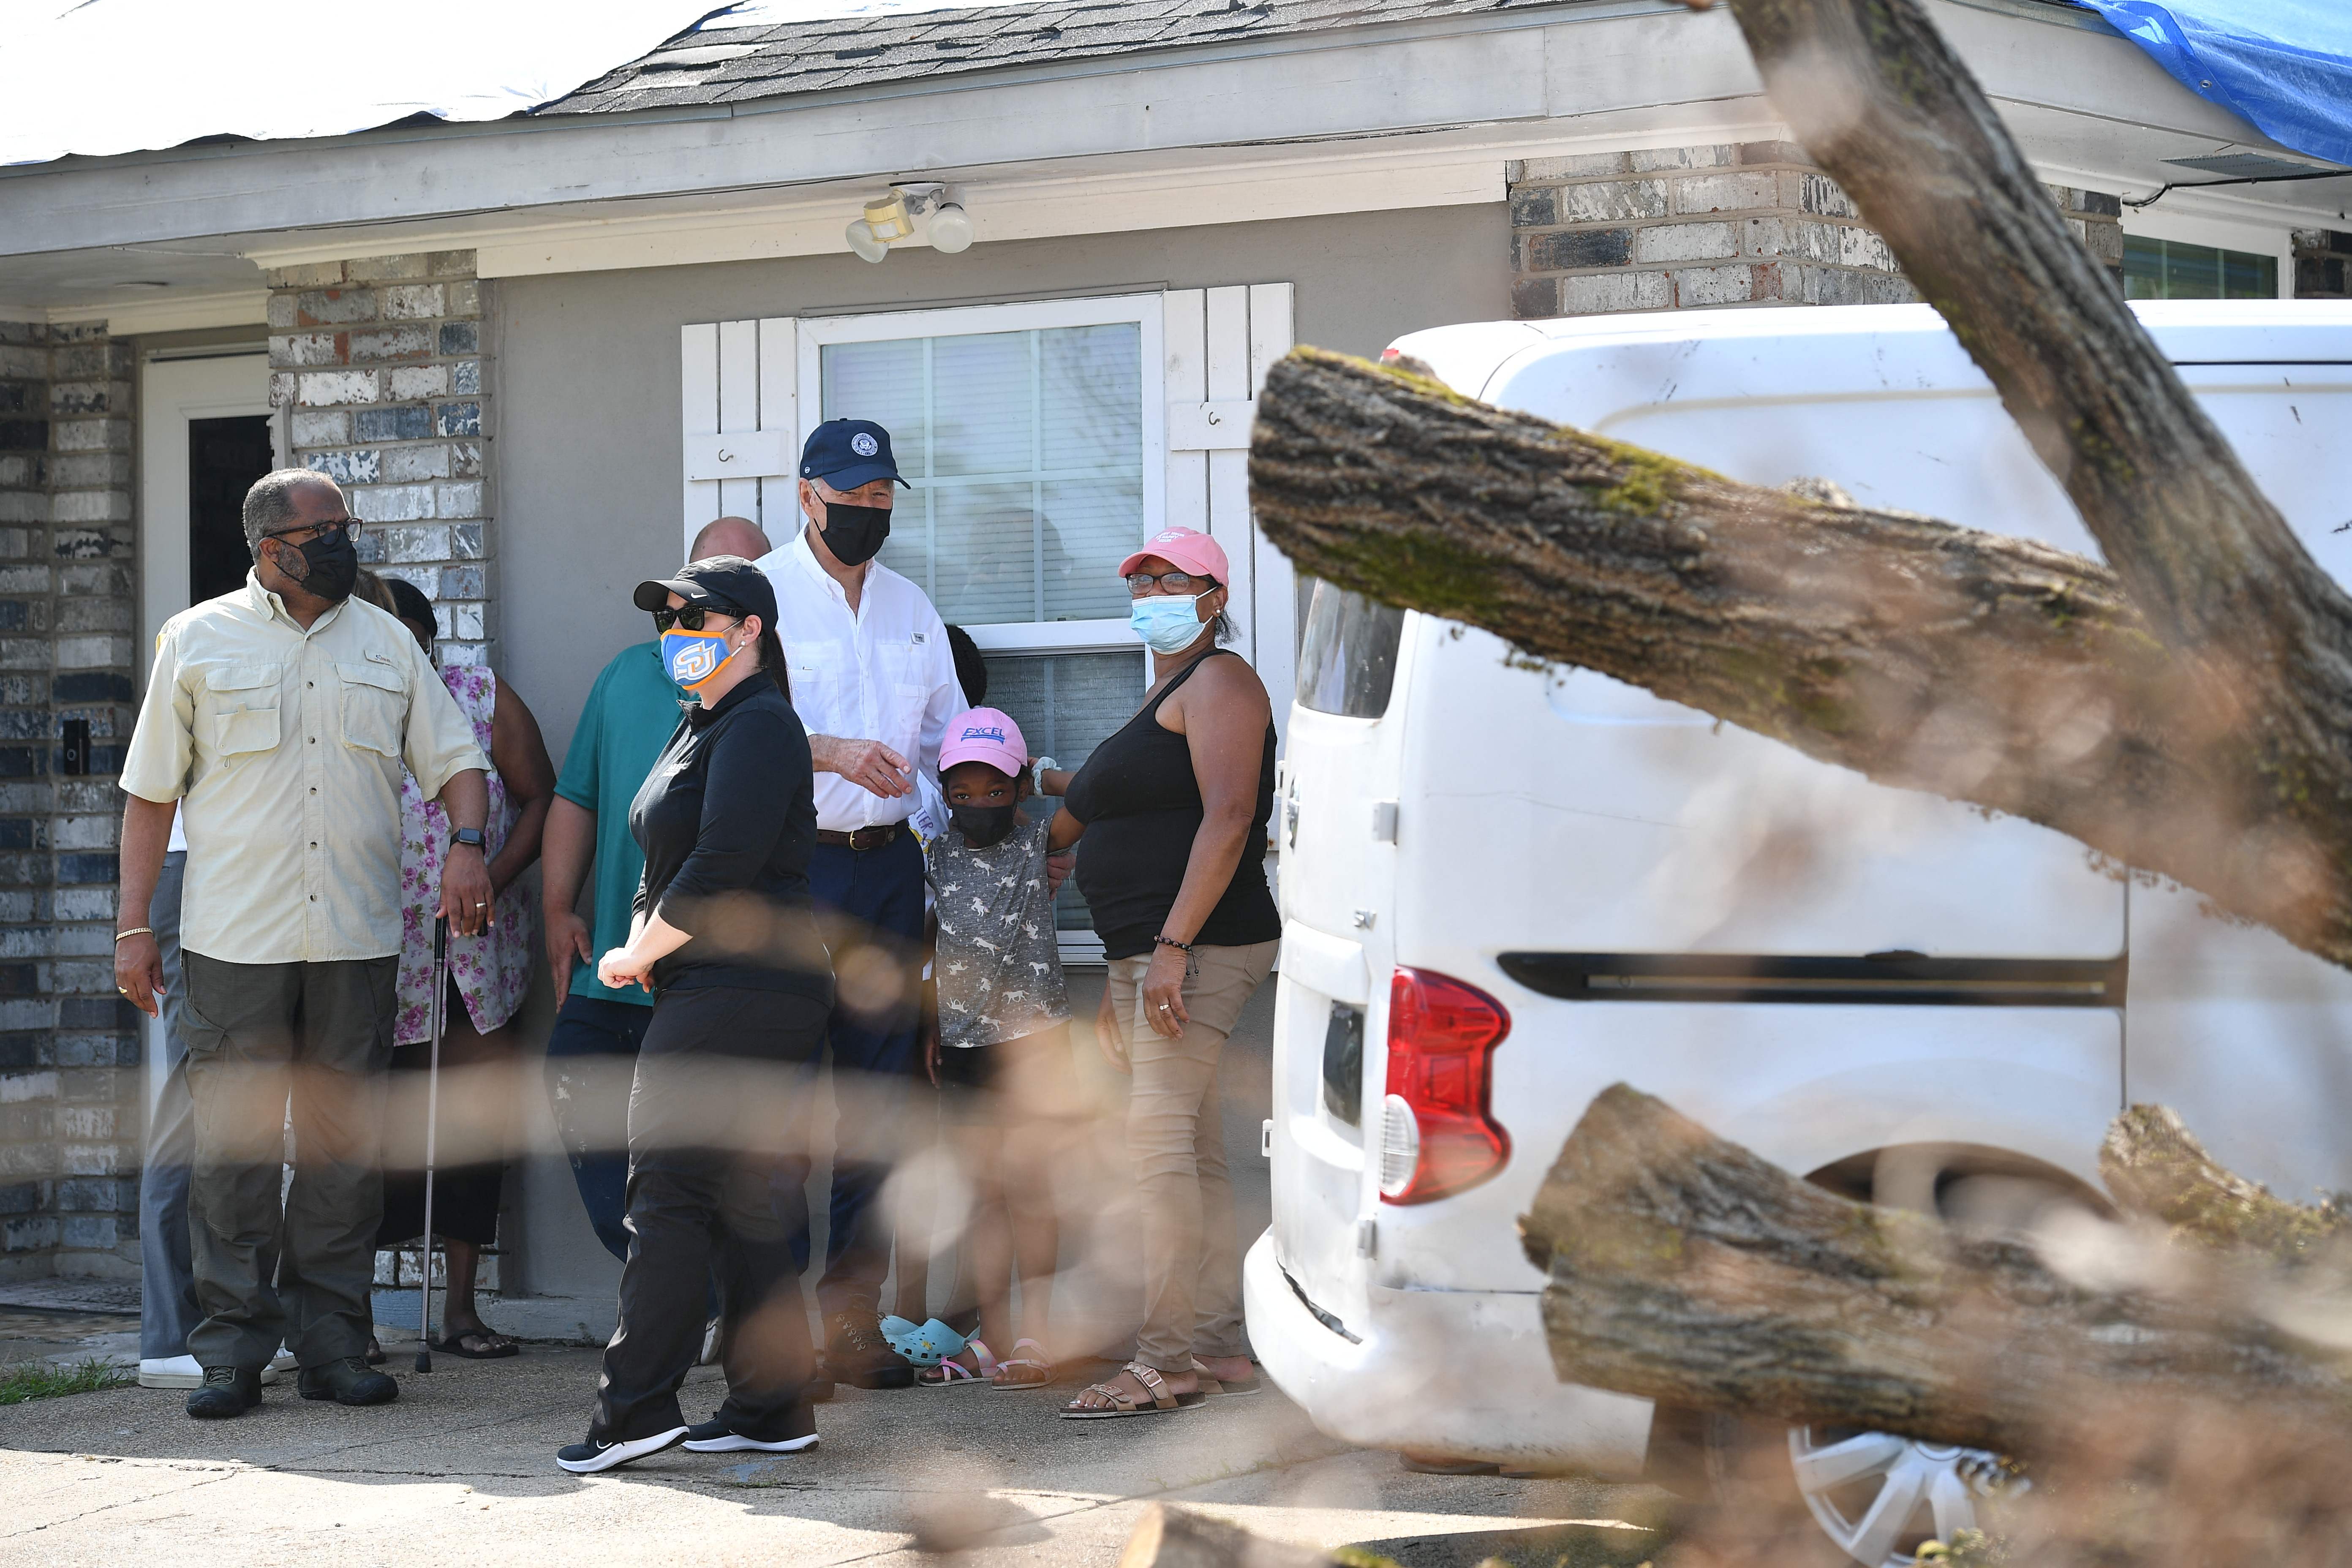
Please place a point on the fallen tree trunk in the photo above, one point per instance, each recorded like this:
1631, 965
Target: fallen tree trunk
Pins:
1683, 1267
2186, 712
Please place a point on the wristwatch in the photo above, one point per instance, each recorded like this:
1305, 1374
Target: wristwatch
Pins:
472, 836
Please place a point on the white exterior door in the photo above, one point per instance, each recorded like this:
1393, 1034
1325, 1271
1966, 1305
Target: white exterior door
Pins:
203, 422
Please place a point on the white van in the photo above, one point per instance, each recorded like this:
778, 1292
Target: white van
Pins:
1505, 889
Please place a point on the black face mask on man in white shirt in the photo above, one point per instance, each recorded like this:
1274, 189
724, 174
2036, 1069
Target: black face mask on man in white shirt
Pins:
855, 533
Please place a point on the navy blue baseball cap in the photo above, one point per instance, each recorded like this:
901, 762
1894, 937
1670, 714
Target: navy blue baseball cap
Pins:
848, 453
727, 583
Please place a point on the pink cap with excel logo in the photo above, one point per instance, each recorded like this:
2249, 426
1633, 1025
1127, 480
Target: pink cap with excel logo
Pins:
1189, 548
984, 735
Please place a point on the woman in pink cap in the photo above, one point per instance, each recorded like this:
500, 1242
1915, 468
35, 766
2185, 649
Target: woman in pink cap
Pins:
1175, 808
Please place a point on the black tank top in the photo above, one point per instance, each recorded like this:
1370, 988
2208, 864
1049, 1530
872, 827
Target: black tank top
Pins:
1143, 807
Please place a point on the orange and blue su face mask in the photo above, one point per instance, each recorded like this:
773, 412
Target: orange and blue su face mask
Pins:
693, 659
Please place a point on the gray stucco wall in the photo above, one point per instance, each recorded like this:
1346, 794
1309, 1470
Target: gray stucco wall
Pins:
584, 369
586, 366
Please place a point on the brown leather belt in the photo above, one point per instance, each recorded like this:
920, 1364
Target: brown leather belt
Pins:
864, 838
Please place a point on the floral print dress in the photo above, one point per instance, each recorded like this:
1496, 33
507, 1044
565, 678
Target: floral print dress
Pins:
493, 970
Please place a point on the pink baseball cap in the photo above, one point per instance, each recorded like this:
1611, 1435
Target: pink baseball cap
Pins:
1187, 547
984, 735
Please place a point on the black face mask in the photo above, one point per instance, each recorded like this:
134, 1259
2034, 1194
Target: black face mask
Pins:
853, 533
983, 825
334, 563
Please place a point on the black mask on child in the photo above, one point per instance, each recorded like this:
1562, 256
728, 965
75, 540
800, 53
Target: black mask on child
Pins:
334, 563
855, 533
983, 825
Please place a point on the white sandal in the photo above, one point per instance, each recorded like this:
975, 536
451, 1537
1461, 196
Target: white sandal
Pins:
1035, 1364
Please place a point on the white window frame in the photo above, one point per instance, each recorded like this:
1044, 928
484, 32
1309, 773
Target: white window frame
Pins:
2219, 234
1107, 635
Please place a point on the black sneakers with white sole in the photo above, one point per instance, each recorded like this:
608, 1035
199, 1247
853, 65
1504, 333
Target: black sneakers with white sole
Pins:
718, 1438
588, 1457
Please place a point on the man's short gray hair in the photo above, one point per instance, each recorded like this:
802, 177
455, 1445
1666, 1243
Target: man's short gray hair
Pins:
270, 504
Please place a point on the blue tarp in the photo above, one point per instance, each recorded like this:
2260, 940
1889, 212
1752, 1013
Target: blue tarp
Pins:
2285, 65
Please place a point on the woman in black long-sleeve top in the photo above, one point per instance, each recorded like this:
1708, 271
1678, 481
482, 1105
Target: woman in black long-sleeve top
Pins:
726, 938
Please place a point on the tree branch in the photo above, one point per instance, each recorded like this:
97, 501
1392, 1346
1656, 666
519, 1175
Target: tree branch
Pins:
1683, 1267
2188, 712
1988, 669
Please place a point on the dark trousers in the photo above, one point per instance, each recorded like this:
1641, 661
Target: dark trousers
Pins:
167, 1280
295, 1271
708, 1133
874, 899
592, 1060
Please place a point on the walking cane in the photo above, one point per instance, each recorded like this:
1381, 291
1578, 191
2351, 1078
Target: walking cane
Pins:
431, 1128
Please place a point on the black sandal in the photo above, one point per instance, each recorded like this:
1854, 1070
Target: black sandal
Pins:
455, 1344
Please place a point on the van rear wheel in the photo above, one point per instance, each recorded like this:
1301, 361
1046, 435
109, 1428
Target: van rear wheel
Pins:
1877, 1496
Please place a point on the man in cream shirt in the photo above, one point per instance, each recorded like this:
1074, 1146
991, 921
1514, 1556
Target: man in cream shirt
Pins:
873, 681
278, 718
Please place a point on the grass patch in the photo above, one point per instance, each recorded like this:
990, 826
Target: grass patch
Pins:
20, 1381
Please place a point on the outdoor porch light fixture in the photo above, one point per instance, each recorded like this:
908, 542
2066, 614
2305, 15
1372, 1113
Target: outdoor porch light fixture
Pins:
890, 219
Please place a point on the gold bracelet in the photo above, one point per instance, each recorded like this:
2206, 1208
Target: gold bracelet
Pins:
136, 931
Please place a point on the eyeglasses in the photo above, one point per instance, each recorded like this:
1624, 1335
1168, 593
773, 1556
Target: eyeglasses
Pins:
690, 616
1139, 582
348, 526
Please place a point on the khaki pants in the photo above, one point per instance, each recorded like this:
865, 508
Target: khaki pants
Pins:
1191, 1248
298, 1273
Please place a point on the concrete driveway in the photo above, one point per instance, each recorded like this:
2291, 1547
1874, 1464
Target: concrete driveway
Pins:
461, 1470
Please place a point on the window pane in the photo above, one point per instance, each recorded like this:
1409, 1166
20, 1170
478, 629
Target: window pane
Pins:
2167, 269
2245, 276
984, 554
1092, 394
2191, 272
1089, 526
1029, 487
983, 404
1067, 705
883, 382
1347, 663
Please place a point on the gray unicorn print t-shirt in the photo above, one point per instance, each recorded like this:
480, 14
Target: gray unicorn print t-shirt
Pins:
999, 962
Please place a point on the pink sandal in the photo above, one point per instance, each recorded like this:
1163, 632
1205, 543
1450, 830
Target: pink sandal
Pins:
952, 1374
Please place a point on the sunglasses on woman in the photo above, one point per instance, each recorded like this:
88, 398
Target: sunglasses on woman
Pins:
688, 616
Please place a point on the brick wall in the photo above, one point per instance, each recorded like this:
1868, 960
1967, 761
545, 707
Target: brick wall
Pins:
70, 1103
1683, 227
379, 361
2323, 263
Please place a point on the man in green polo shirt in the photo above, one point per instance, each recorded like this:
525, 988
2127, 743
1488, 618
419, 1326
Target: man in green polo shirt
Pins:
592, 1056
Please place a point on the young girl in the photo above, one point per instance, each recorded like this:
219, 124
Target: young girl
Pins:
1002, 1050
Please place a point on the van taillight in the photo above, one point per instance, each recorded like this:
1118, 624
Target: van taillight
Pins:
1437, 1135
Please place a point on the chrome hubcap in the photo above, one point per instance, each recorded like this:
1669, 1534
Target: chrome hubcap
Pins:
1881, 1497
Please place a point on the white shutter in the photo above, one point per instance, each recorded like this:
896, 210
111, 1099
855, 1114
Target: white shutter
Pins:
1220, 344
738, 386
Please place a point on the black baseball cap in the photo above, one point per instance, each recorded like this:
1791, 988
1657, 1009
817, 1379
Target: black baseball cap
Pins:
727, 583
848, 453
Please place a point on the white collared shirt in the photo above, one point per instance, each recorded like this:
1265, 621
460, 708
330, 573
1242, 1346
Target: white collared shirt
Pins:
884, 673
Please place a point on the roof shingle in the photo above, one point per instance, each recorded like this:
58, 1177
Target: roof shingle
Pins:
806, 57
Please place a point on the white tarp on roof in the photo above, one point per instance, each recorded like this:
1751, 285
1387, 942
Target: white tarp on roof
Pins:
99, 77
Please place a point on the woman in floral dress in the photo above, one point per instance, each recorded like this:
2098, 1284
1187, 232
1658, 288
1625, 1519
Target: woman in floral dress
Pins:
488, 975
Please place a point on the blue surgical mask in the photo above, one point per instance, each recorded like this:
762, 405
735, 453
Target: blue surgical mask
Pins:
1167, 623
693, 659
